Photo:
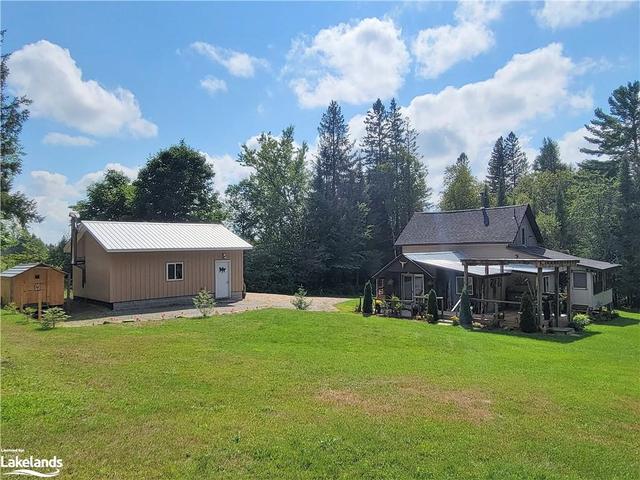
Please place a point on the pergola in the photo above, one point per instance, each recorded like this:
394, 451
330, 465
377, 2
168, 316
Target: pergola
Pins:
539, 263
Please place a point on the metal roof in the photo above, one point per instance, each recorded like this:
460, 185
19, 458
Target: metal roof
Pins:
153, 236
449, 261
23, 267
482, 225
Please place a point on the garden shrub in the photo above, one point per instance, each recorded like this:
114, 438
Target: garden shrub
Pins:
11, 308
395, 304
455, 321
367, 304
466, 319
528, 322
300, 300
579, 321
204, 302
429, 318
432, 306
52, 316
30, 311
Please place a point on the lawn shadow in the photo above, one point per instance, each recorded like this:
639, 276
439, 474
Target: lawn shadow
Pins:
619, 322
548, 337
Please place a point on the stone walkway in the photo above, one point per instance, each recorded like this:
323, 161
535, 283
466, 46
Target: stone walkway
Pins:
87, 314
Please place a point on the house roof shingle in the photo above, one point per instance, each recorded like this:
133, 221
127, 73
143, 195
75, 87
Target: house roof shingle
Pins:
481, 225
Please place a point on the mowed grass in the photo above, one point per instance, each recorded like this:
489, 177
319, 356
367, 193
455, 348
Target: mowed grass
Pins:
287, 394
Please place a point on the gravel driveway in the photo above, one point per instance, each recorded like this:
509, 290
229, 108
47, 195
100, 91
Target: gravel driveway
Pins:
85, 314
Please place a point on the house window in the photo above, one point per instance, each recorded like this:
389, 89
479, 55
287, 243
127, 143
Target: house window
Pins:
460, 283
380, 287
418, 285
174, 271
545, 284
580, 280
523, 237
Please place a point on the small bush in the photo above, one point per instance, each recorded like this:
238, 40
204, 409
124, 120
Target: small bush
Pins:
300, 300
455, 321
466, 319
11, 308
367, 304
432, 306
52, 316
528, 322
29, 311
580, 320
204, 302
395, 304
429, 318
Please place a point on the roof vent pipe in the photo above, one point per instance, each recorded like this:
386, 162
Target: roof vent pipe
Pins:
485, 204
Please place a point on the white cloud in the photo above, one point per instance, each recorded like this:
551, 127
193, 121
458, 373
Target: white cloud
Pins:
468, 119
351, 63
228, 171
213, 85
437, 49
54, 194
562, 14
570, 145
238, 64
62, 139
47, 74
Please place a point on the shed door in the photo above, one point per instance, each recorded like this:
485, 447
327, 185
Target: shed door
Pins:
222, 275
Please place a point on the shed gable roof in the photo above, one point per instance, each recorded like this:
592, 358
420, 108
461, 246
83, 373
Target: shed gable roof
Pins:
154, 236
24, 267
480, 225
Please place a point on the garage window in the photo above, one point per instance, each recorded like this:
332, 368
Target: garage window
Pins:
174, 271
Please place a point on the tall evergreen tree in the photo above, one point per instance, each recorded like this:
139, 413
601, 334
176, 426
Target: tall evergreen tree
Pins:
337, 209
617, 133
548, 160
461, 189
516, 163
497, 173
16, 207
628, 234
379, 180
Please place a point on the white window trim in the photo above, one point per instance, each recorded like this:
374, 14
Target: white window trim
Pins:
166, 272
469, 285
573, 281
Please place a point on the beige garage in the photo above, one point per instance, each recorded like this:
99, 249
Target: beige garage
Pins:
132, 264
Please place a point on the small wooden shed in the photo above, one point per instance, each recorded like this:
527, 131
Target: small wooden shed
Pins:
28, 283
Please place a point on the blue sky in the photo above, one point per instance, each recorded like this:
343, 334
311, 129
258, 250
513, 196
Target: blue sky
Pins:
112, 83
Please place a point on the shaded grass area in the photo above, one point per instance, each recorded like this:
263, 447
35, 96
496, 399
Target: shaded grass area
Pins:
288, 394
348, 306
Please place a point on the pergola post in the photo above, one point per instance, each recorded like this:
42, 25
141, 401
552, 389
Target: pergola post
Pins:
569, 288
466, 275
540, 312
556, 281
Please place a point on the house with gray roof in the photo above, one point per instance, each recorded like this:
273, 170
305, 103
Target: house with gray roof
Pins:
500, 253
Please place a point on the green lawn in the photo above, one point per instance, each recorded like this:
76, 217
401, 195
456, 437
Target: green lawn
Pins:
286, 394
